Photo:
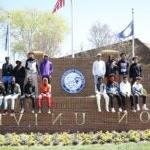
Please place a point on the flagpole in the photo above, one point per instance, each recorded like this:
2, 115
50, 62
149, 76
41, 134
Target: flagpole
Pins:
72, 31
8, 40
133, 48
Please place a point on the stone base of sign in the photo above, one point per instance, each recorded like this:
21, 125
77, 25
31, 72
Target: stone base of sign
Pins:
72, 115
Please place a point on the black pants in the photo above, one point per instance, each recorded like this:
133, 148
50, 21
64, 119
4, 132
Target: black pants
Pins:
111, 99
137, 99
124, 98
23, 99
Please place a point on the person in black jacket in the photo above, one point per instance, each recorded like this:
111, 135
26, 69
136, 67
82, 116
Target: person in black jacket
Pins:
29, 93
135, 70
7, 72
19, 74
111, 67
2, 94
123, 65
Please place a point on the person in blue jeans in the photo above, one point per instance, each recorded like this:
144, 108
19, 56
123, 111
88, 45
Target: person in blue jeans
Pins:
7, 72
112, 89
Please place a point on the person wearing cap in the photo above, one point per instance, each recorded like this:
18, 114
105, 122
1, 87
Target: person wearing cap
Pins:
101, 91
138, 92
46, 68
19, 74
99, 68
111, 67
32, 70
112, 89
135, 70
29, 93
125, 92
123, 65
7, 72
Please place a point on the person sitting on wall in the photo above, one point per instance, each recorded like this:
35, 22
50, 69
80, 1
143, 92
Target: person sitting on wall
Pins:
125, 92
2, 95
135, 70
99, 68
13, 92
111, 68
45, 93
123, 65
112, 89
7, 72
29, 93
138, 91
46, 68
101, 91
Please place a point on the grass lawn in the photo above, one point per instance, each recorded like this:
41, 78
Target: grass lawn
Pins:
128, 146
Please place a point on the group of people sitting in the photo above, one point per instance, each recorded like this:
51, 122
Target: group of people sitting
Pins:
21, 82
118, 87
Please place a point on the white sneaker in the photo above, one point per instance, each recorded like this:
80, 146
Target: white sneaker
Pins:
49, 111
120, 109
144, 107
138, 107
113, 110
39, 111
133, 110
22, 111
107, 109
125, 111
33, 111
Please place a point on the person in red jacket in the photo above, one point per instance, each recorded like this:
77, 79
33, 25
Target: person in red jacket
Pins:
45, 94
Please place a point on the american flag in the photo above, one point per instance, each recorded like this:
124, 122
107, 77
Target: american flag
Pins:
59, 4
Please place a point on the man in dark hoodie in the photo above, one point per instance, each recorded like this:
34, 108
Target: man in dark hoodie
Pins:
135, 70
29, 93
19, 74
2, 94
123, 65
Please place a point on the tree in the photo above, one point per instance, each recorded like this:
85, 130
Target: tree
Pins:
35, 30
101, 35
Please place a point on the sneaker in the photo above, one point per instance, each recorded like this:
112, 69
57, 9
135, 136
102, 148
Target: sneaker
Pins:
113, 110
33, 111
107, 110
125, 111
49, 111
12, 114
133, 110
39, 111
22, 111
120, 109
99, 110
144, 107
138, 107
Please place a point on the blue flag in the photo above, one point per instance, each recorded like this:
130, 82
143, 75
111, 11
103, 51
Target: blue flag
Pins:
127, 32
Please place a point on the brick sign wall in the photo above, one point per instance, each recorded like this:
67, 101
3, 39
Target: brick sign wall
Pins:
77, 112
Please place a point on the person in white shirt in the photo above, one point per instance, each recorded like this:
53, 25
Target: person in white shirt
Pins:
101, 91
138, 92
99, 68
125, 92
32, 70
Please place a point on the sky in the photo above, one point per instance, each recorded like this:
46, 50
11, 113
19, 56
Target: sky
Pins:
116, 13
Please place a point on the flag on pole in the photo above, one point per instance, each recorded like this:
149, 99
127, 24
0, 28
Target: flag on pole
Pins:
127, 32
7, 38
59, 4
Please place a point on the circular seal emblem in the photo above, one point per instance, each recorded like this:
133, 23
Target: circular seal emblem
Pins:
73, 81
